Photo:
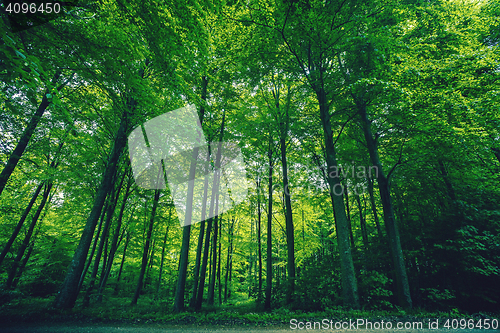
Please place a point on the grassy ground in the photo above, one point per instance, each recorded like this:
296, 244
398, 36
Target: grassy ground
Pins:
239, 312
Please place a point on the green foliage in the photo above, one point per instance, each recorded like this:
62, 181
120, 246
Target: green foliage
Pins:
426, 70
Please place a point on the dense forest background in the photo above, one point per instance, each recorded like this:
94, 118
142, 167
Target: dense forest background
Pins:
370, 133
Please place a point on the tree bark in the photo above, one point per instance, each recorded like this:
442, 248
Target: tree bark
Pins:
19, 225
114, 242
229, 258
27, 238
94, 247
213, 203
349, 284
259, 241
362, 223
68, 293
219, 263
403, 287
127, 240
374, 206
346, 195
160, 274
199, 248
26, 136
103, 241
146, 248
269, 262
288, 221
186, 233
211, 287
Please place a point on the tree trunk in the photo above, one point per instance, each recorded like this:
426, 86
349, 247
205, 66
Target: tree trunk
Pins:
69, 290
94, 246
203, 272
349, 284
19, 225
229, 258
26, 241
113, 198
374, 206
26, 136
199, 248
211, 287
213, 201
346, 195
114, 242
403, 287
53, 165
362, 223
288, 224
259, 241
219, 263
127, 240
186, 233
160, 274
146, 248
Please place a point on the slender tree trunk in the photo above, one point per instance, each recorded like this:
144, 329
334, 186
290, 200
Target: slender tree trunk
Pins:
53, 165
105, 256
199, 248
229, 258
349, 283
269, 262
186, 233
94, 247
146, 248
160, 274
213, 207
26, 136
219, 262
147, 276
374, 206
250, 261
211, 287
230, 284
19, 225
25, 260
289, 224
31, 245
26, 241
127, 240
403, 287
346, 195
69, 290
203, 271
259, 241
113, 198
114, 242
449, 187
362, 223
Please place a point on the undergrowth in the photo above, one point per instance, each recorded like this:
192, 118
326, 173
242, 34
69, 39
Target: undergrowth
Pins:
237, 312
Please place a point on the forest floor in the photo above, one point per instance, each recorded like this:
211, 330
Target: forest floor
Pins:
30, 314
